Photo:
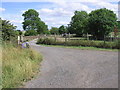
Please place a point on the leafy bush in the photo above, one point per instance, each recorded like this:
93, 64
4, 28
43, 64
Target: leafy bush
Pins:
8, 30
86, 43
46, 41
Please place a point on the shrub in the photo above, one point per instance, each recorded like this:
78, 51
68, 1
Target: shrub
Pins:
86, 43
46, 41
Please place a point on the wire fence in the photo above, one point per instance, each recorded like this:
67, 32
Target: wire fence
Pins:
67, 38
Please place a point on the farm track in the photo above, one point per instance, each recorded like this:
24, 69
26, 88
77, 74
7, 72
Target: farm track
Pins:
72, 68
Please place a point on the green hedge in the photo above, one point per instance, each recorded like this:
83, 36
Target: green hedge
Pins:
86, 43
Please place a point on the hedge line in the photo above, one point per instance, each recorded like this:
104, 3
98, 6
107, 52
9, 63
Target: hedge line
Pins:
86, 43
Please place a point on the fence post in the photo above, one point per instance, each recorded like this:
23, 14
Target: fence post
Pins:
55, 37
18, 40
87, 37
104, 41
65, 38
68, 36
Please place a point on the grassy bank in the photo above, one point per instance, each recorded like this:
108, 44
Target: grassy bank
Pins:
82, 43
82, 48
18, 65
0, 67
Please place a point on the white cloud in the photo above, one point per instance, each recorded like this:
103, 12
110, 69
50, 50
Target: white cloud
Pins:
22, 11
49, 19
2, 9
54, 12
107, 5
62, 10
16, 21
46, 10
61, 14
62, 23
58, 0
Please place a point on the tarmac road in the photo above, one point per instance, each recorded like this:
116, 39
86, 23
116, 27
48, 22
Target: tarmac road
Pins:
72, 68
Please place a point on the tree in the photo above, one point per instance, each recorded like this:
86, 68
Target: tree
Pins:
54, 30
118, 22
62, 29
101, 23
31, 20
47, 32
30, 33
78, 24
8, 30
42, 28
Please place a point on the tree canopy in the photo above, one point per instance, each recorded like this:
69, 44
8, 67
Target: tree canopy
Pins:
33, 22
98, 23
31, 19
118, 25
42, 28
62, 29
78, 24
101, 23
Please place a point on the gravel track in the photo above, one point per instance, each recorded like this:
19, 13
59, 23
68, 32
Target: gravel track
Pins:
73, 68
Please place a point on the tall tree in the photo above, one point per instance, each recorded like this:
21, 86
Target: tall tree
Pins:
101, 23
31, 20
62, 29
42, 28
78, 24
118, 25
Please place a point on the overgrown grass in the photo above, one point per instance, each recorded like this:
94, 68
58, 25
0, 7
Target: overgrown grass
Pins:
0, 67
18, 65
83, 43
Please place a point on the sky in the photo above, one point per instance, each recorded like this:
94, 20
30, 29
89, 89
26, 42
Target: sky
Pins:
53, 12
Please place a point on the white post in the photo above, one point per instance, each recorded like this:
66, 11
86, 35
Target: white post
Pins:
69, 36
18, 39
55, 37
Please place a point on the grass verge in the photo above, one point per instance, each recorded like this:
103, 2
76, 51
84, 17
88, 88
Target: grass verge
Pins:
0, 67
81, 47
82, 44
18, 65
